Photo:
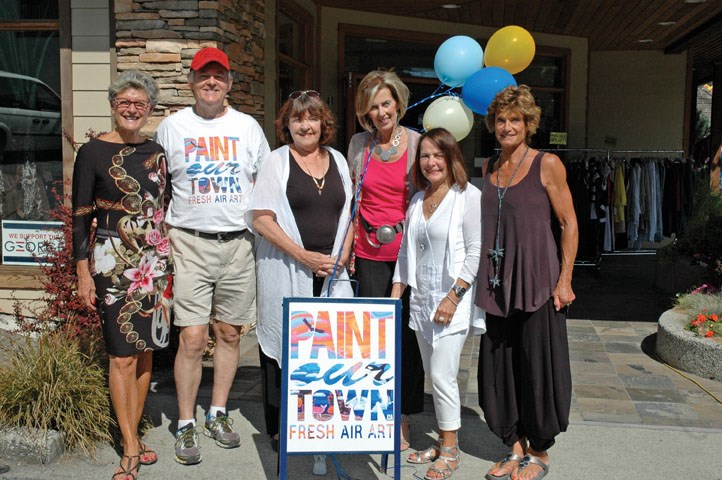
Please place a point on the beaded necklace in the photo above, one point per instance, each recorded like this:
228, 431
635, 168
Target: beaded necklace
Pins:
497, 253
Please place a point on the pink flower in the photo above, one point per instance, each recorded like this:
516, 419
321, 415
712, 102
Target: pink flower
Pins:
153, 237
109, 299
153, 176
163, 248
158, 216
142, 277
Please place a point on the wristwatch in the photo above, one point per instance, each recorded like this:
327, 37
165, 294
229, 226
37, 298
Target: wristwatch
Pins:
459, 291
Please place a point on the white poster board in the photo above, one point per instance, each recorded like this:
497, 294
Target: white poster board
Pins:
341, 377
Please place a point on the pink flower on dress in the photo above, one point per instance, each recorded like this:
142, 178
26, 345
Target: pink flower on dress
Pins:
109, 299
142, 277
153, 237
163, 248
158, 216
153, 176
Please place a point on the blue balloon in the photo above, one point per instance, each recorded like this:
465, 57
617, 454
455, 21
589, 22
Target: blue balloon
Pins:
456, 59
481, 88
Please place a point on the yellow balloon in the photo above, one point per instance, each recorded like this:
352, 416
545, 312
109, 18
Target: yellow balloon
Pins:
511, 48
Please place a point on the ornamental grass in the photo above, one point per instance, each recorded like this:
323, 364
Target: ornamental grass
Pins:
48, 383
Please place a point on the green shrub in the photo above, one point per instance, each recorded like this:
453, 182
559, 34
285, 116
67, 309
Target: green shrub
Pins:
50, 384
702, 239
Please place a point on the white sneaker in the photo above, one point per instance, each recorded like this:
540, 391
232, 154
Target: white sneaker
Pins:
319, 465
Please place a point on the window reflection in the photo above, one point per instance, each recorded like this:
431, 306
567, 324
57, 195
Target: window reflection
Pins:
30, 113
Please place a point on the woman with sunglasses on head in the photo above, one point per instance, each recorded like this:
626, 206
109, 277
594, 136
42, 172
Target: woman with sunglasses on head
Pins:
438, 260
119, 179
299, 211
380, 160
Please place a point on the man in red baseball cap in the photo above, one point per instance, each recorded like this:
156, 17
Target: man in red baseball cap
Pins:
214, 153
204, 56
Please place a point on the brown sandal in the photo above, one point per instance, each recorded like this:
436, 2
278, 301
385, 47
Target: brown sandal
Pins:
147, 454
130, 472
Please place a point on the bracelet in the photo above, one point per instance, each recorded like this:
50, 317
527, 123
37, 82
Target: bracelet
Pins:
449, 299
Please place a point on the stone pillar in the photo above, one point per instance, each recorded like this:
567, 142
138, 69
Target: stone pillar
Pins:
160, 37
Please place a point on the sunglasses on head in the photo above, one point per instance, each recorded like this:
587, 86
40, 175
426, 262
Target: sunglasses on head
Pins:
300, 93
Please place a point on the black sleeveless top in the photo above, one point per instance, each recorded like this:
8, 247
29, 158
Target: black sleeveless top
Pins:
529, 270
316, 215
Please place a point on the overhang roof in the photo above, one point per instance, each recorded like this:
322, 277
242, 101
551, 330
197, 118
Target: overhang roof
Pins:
607, 24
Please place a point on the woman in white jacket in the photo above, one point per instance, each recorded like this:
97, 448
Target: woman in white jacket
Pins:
439, 259
299, 211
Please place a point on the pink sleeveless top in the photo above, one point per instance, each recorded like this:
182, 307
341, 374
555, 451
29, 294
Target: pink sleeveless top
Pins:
530, 267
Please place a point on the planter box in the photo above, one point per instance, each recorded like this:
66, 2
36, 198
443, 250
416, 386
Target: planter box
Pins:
686, 351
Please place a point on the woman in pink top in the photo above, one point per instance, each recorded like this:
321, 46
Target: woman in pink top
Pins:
385, 152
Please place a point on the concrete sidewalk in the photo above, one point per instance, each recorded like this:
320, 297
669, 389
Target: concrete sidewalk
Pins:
608, 446
632, 417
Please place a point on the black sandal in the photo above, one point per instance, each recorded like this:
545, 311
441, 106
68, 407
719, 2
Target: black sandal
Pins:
129, 471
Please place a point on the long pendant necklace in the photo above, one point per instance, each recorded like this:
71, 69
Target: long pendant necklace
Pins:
319, 185
497, 253
393, 149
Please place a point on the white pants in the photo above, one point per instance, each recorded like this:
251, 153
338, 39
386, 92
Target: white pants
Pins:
441, 364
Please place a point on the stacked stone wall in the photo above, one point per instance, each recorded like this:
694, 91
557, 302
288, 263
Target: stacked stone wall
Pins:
160, 37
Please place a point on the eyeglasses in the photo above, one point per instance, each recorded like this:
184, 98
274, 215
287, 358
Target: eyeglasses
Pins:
124, 104
300, 93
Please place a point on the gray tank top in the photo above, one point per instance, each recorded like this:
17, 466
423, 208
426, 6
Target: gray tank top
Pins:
530, 267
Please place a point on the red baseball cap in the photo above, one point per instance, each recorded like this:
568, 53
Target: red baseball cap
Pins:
204, 56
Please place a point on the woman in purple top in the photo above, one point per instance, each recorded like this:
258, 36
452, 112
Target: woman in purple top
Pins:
525, 285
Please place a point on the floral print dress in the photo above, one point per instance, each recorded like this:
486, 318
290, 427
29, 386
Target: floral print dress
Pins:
123, 187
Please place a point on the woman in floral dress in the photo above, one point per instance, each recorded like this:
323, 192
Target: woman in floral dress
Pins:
120, 181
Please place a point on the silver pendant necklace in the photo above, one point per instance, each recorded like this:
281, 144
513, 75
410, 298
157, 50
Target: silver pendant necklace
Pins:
385, 155
497, 253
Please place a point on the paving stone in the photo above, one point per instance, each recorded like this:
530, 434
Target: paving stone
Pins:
591, 367
676, 411
623, 347
597, 391
647, 381
582, 337
610, 324
710, 416
655, 395
589, 357
586, 346
621, 338
604, 410
617, 328
597, 379
632, 369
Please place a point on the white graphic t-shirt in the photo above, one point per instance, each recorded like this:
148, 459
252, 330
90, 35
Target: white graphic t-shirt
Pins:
212, 165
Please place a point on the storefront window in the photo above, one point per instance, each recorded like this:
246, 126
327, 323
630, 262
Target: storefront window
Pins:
295, 50
30, 109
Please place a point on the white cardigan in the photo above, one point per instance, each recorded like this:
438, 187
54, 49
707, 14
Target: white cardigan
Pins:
464, 236
277, 274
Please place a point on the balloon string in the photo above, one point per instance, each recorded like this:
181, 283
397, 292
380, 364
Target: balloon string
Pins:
437, 93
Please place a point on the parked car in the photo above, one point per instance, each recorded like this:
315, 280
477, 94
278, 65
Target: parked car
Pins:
29, 115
